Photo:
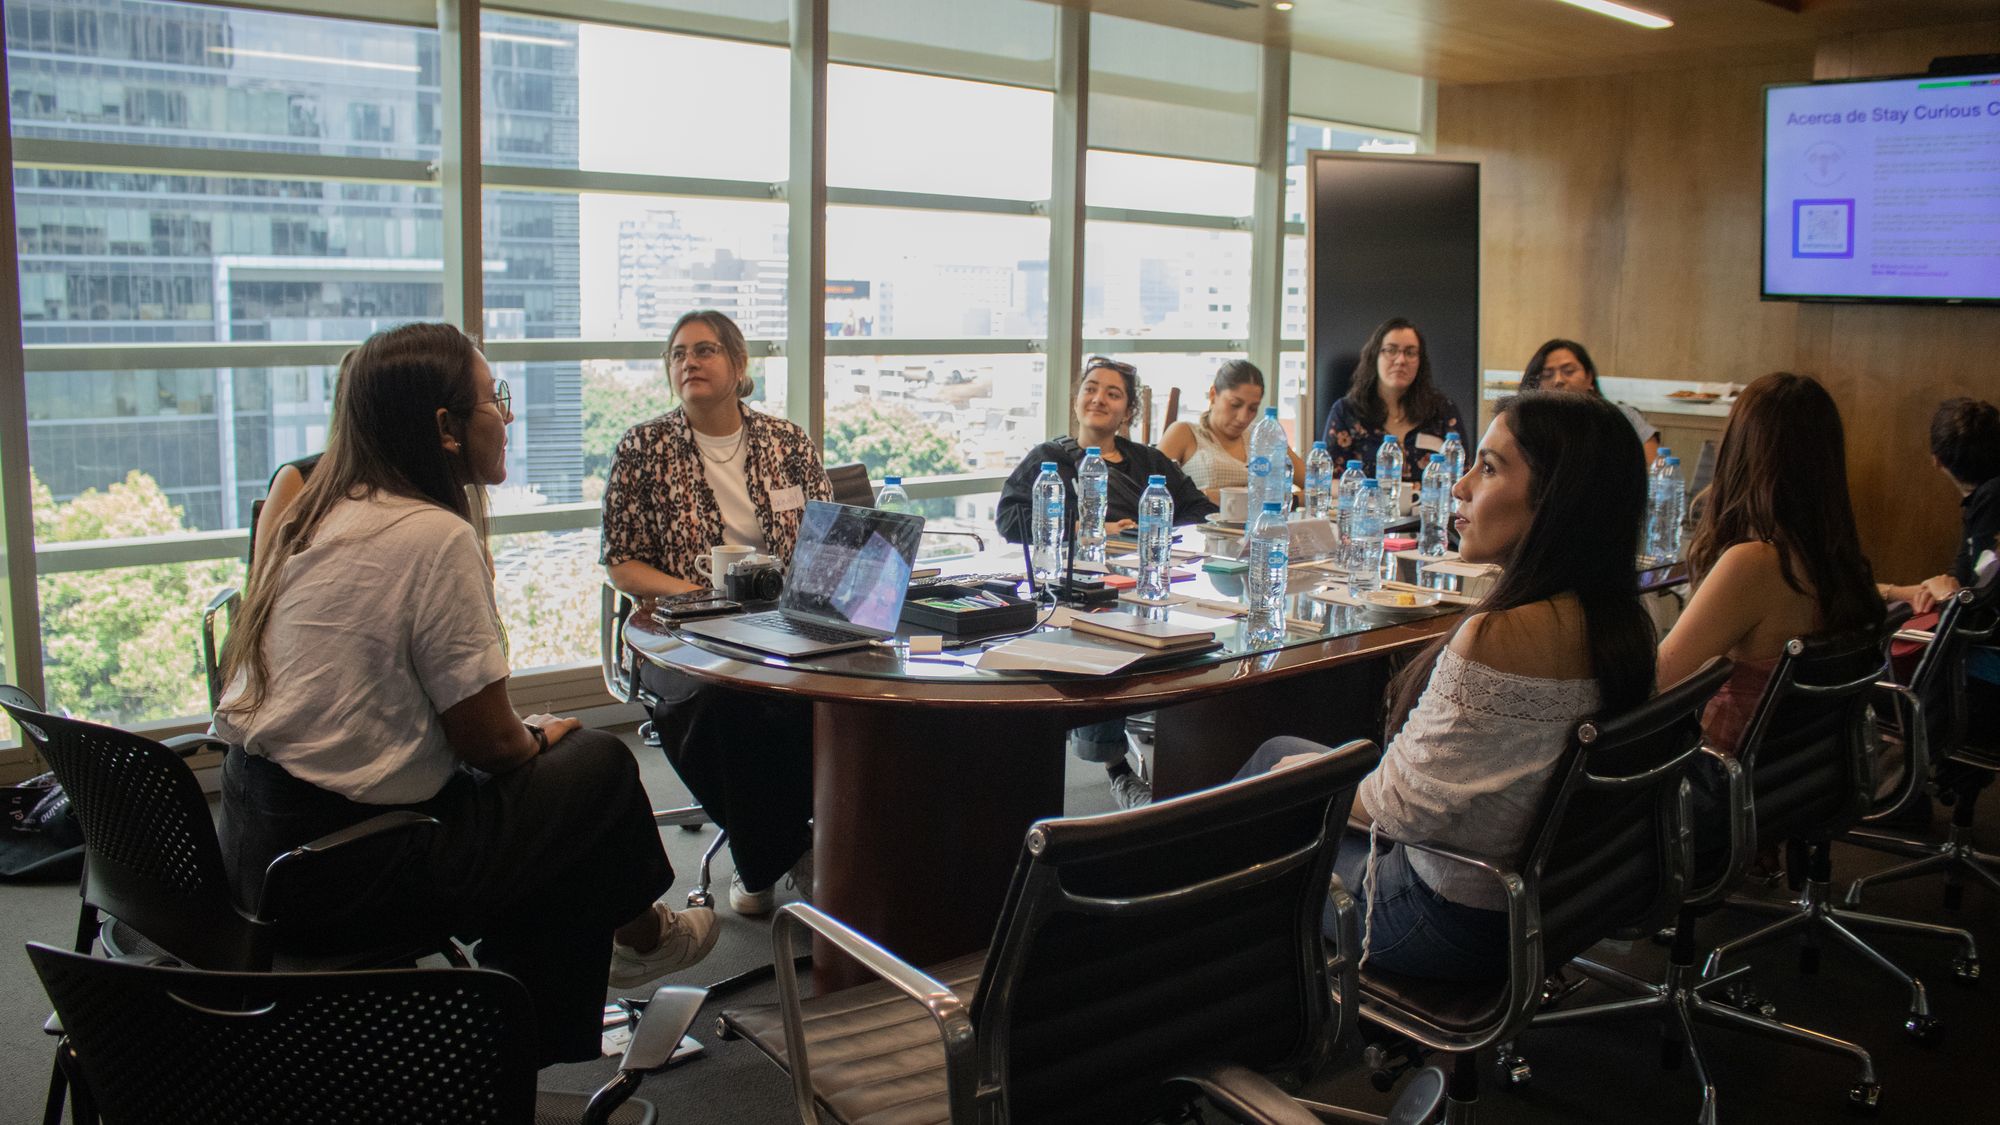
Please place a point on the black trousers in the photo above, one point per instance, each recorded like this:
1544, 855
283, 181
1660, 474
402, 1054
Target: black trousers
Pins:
538, 865
748, 759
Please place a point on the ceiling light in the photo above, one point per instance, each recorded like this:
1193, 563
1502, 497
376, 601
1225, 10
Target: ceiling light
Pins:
1283, 5
287, 56
1646, 20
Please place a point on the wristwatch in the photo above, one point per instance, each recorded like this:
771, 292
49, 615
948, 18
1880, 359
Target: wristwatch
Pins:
541, 737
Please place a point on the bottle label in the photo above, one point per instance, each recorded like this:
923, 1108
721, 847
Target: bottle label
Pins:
1259, 466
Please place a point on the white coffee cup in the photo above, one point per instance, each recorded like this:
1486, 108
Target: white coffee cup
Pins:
1235, 504
714, 566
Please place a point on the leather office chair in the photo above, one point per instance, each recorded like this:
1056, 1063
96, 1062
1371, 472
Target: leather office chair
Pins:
1936, 730
1133, 948
620, 665
168, 1046
1681, 999
1807, 760
219, 615
153, 865
1603, 857
851, 485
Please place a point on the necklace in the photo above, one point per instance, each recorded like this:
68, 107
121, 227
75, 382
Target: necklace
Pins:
741, 433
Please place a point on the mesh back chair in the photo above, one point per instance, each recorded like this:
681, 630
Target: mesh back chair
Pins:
851, 485
1132, 947
1938, 734
620, 663
1604, 856
168, 1046
1807, 761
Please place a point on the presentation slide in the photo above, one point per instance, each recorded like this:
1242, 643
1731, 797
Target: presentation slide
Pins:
1884, 189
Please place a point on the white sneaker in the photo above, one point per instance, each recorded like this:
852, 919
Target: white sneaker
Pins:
800, 879
743, 900
1131, 791
685, 938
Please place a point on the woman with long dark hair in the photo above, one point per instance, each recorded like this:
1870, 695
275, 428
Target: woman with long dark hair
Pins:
1775, 554
368, 673
1392, 392
1214, 449
1555, 496
1565, 365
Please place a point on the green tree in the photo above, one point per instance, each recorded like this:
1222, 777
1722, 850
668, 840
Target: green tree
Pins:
123, 645
890, 440
612, 404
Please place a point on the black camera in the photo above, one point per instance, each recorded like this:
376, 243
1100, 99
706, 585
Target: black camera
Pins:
754, 580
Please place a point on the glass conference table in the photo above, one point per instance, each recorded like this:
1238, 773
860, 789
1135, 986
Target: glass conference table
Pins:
927, 772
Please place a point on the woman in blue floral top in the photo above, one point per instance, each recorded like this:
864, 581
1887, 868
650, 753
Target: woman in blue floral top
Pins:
1392, 393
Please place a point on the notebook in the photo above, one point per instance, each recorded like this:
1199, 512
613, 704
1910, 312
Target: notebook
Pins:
845, 589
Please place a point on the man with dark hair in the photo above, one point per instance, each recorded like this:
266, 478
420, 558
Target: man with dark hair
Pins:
1965, 444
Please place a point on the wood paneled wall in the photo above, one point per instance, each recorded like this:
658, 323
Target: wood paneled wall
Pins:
1623, 211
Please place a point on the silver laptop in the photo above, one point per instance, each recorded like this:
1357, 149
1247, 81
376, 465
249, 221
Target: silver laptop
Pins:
849, 574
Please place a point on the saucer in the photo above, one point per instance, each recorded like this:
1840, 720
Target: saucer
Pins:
1214, 519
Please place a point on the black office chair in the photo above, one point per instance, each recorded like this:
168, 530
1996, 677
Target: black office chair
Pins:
168, 1046
1935, 726
620, 663
851, 485
1807, 759
1134, 948
1603, 858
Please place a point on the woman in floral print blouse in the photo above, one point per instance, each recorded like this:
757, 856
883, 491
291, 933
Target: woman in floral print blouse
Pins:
714, 471
1392, 393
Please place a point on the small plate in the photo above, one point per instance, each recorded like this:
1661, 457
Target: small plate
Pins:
1696, 397
1215, 519
1389, 601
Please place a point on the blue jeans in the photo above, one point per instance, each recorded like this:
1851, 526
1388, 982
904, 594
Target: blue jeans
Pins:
1103, 743
1415, 930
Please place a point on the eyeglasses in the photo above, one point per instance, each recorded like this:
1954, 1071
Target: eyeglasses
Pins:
502, 396
704, 351
1394, 351
1097, 361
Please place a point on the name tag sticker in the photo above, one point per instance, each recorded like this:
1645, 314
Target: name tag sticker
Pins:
1430, 443
788, 499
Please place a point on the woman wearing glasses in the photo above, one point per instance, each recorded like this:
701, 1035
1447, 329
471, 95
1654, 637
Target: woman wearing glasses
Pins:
1392, 393
712, 471
1105, 403
1565, 365
367, 673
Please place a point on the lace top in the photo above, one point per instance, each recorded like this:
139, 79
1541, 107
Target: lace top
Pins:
1469, 767
1211, 466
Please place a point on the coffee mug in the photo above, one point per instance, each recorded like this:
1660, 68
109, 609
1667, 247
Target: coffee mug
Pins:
1235, 504
714, 566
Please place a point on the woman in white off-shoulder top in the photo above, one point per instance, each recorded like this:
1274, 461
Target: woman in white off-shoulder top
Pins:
1555, 496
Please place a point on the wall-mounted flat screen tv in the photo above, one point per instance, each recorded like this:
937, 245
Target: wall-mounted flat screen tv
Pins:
1884, 189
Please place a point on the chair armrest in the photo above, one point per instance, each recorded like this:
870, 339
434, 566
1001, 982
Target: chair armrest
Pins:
1915, 731
614, 607
188, 745
953, 1021
1244, 1095
1742, 813
1920, 636
1524, 957
663, 1022
384, 826
1343, 969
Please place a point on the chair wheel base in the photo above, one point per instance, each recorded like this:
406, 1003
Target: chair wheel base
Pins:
1864, 1098
699, 897
724, 1031
1513, 1071
1747, 1001
1924, 1029
1965, 970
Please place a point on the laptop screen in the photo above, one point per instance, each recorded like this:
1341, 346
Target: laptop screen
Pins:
852, 566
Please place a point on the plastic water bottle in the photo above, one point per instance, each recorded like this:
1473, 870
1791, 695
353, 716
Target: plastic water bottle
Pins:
1364, 571
1348, 496
1270, 463
1659, 544
1093, 481
1319, 482
1156, 538
1454, 466
1269, 555
1434, 507
1047, 548
892, 498
1676, 506
1389, 475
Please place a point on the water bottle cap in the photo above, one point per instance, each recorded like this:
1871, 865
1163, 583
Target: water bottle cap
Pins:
1157, 478
1093, 451
1451, 435
1665, 452
1370, 484
1048, 466
1391, 439
1673, 460
886, 481
1320, 445
1270, 412
1353, 464
1272, 506
1437, 458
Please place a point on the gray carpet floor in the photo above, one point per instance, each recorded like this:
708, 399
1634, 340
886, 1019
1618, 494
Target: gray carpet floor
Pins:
1601, 1074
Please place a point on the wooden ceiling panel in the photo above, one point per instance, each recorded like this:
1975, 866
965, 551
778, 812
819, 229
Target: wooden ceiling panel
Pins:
1468, 41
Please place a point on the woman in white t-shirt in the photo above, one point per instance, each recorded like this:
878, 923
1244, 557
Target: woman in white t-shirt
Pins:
368, 672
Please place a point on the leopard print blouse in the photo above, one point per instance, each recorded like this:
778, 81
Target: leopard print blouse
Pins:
659, 510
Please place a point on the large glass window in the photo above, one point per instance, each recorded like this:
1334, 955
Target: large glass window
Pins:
977, 138
936, 415
1173, 282
935, 274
